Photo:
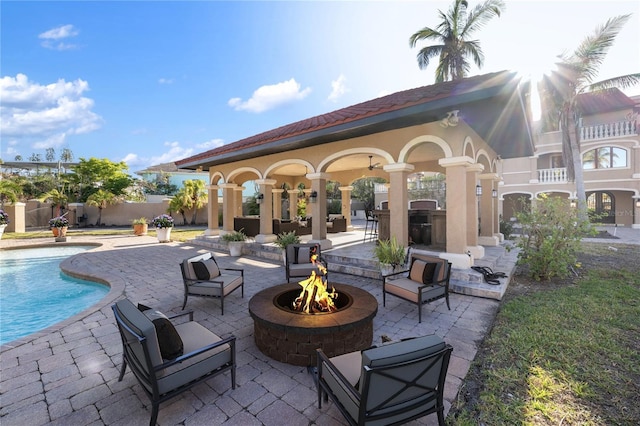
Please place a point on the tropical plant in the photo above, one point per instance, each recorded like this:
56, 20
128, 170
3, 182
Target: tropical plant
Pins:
453, 37
111, 177
162, 221
58, 198
561, 90
234, 236
59, 222
4, 217
180, 203
390, 252
286, 238
197, 192
140, 221
551, 235
101, 199
9, 192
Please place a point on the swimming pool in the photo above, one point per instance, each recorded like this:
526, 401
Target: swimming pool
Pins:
35, 294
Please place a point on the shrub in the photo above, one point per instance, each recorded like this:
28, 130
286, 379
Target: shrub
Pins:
506, 228
551, 234
234, 236
390, 252
286, 238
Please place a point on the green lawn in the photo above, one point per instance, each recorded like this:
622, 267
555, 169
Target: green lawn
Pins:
177, 234
565, 354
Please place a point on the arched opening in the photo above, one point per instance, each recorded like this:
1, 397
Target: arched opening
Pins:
602, 206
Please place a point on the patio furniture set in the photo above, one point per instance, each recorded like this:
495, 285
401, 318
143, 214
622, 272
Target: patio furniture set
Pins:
390, 384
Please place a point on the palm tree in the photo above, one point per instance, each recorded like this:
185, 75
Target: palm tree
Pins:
196, 190
57, 197
453, 38
101, 199
562, 88
9, 192
181, 202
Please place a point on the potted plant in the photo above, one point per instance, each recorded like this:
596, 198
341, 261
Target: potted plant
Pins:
163, 225
390, 255
4, 221
140, 226
286, 238
235, 240
59, 225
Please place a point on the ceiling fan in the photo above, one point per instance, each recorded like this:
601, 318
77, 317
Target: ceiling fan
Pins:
373, 166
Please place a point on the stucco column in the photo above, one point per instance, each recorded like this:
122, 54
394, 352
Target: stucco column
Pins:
277, 202
237, 201
213, 227
473, 210
319, 210
17, 219
488, 211
398, 209
293, 202
533, 167
307, 192
345, 192
636, 212
457, 210
266, 211
228, 206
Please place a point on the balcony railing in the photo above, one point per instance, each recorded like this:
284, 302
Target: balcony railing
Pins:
557, 175
609, 130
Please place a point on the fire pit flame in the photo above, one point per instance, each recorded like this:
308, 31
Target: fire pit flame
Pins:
314, 296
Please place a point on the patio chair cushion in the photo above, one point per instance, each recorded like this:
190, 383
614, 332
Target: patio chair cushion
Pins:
303, 255
135, 319
422, 271
169, 341
206, 269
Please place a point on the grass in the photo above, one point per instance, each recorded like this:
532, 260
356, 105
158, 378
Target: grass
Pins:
177, 234
569, 355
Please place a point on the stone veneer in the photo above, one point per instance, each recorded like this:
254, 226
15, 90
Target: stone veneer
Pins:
293, 338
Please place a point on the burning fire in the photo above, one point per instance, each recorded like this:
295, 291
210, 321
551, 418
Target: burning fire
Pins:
314, 297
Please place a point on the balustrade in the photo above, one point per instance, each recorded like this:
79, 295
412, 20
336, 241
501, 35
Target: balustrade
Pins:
556, 175
609, 130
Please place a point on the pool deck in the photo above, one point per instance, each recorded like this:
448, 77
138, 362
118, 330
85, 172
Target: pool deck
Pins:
68, 373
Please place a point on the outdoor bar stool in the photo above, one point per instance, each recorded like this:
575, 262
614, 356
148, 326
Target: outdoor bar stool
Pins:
370, 227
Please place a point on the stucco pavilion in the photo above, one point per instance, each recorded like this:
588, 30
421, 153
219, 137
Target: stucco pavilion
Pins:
461, 129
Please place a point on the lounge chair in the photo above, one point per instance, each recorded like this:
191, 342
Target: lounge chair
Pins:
202, 277
204, 354
390, 384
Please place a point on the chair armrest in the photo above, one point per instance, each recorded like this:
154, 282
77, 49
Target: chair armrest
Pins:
234, 269
231, 341
394, 273
181, 314
323, 360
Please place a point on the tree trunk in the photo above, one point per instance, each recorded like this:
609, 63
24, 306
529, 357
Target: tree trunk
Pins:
99, 216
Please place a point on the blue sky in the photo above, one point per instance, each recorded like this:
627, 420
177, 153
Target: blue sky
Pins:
149, 82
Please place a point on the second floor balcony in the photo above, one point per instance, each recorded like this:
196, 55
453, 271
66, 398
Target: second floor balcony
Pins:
555, 175
609, 130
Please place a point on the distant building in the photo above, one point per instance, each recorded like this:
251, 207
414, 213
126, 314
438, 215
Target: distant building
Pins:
172, 174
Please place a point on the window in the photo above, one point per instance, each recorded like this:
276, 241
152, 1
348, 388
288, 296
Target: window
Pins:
557, 162
604, 158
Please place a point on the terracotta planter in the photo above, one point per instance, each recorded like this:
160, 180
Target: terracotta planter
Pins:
140, 229
163, 234
59, 232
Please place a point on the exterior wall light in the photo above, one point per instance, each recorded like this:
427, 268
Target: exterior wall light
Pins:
478, 190
637, 202
494, 193
573, 204
260, 198
313, 197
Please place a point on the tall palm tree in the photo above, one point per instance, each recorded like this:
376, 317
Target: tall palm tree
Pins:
57, 197
180, 203
453, 39
561, 89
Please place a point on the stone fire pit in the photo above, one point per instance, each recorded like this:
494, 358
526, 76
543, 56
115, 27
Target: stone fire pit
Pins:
293, 338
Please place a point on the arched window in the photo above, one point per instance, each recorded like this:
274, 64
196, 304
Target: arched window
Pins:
602, 204
604, 158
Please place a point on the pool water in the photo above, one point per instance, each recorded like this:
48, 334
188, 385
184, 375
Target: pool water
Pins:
35, 294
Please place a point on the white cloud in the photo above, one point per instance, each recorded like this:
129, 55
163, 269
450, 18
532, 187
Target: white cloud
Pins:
338, 88
44, 115
173, 152
213, 143
165, 81
272, 96
51, 38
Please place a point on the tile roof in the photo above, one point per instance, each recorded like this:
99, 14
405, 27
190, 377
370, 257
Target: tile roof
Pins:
398, 101
604, 101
